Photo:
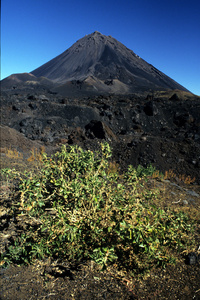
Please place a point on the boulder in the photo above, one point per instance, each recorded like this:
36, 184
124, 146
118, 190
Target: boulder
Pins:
98, 129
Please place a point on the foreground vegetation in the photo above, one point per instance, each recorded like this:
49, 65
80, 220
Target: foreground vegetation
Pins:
78, 206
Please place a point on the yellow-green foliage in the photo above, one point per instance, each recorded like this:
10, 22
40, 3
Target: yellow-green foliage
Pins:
79, 207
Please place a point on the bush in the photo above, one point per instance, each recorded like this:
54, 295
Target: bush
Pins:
78, 208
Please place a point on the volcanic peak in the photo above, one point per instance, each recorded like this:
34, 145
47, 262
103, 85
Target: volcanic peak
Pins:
104, 58
99, 64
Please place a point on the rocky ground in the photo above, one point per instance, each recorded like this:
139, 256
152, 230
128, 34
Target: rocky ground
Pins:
162, 129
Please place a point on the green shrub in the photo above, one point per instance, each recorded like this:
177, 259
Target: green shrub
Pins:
76, 208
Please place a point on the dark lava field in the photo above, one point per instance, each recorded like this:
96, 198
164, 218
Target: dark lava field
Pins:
160, 128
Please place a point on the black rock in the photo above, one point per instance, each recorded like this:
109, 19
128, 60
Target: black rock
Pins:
150, 109
24, 122
32, 105
16, 107
174, 97
32, 97
95, 129
192, 258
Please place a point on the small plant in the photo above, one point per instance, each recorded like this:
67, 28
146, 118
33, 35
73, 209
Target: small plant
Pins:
145, 172
78, 206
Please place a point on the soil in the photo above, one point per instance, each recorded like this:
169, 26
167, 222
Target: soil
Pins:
87, 282
162, 130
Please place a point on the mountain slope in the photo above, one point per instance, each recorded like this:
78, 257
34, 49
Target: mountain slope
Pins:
103, 58
24, 80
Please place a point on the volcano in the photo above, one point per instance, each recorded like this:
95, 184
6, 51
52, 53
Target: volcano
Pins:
100, 63
95, 64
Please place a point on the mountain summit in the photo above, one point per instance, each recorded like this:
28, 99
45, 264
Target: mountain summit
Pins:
104, 64
96, 64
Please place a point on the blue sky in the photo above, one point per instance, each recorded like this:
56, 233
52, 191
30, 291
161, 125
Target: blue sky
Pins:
166, 33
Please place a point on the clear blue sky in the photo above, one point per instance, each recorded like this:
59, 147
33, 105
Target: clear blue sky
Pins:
166, 33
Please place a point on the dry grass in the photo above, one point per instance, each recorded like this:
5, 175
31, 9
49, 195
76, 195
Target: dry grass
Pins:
12, 158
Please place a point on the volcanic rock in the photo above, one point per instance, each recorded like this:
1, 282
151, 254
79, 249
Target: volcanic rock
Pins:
99, 130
